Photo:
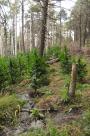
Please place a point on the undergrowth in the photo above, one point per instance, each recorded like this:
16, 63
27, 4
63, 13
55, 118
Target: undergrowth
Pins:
8, 105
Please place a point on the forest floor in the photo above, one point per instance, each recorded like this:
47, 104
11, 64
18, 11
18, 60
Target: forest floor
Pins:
52, 99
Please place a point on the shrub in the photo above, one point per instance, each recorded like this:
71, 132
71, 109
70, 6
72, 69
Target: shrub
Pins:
65, 61
17, 68
82, 71
65, 96
86, 123
8, 105
53, 51
14, 70
66, 64
30, 60
38, 71
35, 114
23, 65
4, 74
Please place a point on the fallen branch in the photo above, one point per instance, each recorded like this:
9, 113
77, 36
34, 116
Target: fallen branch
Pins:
41, 110
52, 61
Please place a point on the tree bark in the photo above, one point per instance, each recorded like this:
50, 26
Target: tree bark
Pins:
60, 25
43, 27
5, 37
72, 87
32, 31
13, 35
23, 46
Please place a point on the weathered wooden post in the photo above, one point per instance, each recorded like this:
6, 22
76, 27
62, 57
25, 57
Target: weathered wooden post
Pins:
72, 87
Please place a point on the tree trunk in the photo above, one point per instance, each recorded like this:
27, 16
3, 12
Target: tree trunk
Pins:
30, 37
23, 46
5, 36
43, 27
15, 35
80, 28
85, 25
32, 31
72, 87
60, 25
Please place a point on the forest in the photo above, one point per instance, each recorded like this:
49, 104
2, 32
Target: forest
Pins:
44, 67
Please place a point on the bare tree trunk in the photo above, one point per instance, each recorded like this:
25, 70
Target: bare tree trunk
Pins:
32, 31
30, 37
15, 34
80, 28
1, 43
5, 35
43, 27
10, 41
60, 25
19, 40
72, 87
23, 46
85, 26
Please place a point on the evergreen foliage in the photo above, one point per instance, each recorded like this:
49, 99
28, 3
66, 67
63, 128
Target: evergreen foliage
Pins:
82, 71
4, 74
65, 61
66, 64
64, 96
38, 71
33, 66
23, 65
14, 70
54, 51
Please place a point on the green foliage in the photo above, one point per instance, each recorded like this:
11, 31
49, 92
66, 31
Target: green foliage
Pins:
48, 92
30, 60
14, 70
8, 105
53, 51
54, 132
38, 71
82, 71
23, 65
30, 65
64, 132
65, 61
64, 95
83, 87
51, 130
35, 113
36, 132
4, 74
86, 123
66, 64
